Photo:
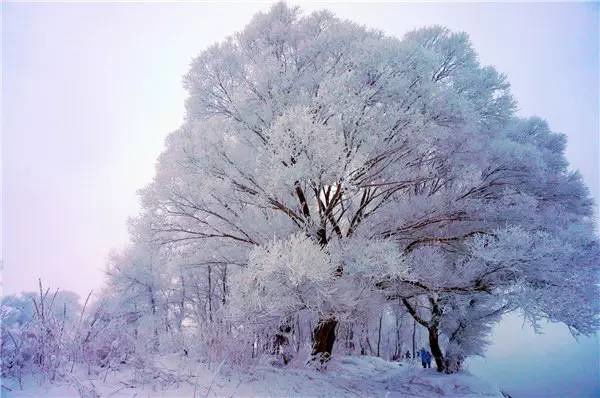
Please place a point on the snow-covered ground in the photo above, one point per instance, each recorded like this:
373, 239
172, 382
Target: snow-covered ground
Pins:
345, 376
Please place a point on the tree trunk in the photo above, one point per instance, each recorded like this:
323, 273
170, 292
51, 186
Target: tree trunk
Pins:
436, 352
350, 339
413, 338
324, 337
181, 315
298, 333
153, 307
281, 343
399, 323
379, 335
224, 286
209, 297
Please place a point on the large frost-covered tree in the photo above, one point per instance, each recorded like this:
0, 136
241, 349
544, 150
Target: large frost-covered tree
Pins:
323, 167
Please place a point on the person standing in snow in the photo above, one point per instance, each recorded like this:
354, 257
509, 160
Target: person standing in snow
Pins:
425, 358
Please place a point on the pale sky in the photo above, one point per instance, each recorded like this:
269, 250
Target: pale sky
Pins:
91, 90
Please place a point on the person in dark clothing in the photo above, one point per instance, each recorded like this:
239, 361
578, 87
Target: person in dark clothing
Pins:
407, 355
425, 358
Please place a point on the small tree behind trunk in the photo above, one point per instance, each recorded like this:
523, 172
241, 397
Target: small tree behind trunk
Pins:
281, 343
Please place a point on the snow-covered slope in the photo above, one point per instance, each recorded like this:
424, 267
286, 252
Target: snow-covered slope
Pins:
345, 377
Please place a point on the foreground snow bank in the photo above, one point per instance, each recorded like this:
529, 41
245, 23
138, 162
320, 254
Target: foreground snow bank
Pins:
345, 376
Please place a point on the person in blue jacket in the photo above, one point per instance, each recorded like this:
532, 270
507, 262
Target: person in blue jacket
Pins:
425, 358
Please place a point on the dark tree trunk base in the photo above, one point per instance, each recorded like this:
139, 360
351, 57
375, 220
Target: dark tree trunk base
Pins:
324, 337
